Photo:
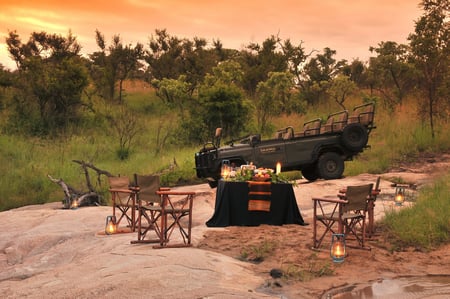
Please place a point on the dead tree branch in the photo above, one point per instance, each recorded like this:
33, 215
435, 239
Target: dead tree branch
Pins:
71, 195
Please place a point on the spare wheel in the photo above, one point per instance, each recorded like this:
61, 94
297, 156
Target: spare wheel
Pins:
355, 137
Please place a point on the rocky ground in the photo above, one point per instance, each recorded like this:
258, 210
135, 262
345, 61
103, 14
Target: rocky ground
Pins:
46, 251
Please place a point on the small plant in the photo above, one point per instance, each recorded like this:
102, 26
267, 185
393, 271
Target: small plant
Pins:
257, 253
314, 268
126, 128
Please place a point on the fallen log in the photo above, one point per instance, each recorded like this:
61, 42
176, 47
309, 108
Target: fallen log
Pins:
75, 198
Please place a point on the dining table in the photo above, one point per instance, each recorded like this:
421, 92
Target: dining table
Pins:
232, 206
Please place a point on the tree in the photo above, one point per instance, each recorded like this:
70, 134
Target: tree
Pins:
227, 72
6, 80
430, 52
390, 72
50, 80
170, 57
258, 61
273, 97
218, 105
5, 77
341, 87
114, 65
126, 128
222, 106
296, 59
356, 72
318, 72
175, 93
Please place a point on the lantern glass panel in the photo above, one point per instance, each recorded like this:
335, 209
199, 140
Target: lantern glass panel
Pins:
399, 195
338, 250
110, 227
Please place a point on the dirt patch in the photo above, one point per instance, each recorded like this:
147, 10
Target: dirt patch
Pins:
306, 272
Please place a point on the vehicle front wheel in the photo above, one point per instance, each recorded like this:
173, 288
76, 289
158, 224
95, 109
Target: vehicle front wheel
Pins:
212, 183
330, 166
310, 173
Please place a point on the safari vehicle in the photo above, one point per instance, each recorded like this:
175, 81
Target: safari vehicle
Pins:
319, 150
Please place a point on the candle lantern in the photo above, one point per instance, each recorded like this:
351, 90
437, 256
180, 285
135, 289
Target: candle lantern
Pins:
278, 169
226, 169
74, 204
338, 248
399, 195
111, 226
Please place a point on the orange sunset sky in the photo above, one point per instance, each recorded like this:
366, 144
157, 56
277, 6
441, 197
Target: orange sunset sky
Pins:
348, 26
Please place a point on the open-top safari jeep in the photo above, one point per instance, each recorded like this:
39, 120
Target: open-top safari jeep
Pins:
318, 150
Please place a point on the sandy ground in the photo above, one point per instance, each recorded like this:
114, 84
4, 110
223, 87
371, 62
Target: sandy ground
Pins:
46, 252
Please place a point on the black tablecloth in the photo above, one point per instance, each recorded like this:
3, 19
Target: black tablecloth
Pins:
232, 206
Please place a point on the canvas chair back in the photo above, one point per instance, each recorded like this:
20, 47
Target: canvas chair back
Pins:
357, 197
121, 182
148, 185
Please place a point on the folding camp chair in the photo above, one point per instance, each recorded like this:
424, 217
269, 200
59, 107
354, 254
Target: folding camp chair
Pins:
160, 211
347, 211
123, 201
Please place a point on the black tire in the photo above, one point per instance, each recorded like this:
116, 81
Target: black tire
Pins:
355, 137
310, 172
330, 166
212, 183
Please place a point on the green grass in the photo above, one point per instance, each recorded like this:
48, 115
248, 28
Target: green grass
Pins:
257, 253
25, 162
424, 225
398, 137
313, 267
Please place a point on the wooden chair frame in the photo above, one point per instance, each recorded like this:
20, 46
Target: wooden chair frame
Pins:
149, 209
160, 211
123, 201
176, 205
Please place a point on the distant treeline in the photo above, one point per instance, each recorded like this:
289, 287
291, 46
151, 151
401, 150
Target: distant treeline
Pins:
208, 86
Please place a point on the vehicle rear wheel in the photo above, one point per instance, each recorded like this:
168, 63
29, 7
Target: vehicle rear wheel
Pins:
330, 166
310, 173
355, 137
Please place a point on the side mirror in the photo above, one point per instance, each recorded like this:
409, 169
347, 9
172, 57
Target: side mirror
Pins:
218, 132
217, 136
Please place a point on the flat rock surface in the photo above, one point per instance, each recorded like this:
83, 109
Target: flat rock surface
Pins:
49, 252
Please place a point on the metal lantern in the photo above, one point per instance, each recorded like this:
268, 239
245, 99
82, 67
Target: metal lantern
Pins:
226, 169
337, 251
110, 227
74, 204
399, 195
